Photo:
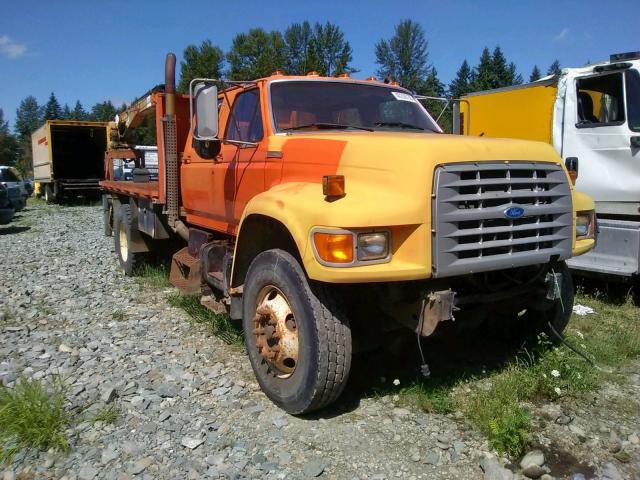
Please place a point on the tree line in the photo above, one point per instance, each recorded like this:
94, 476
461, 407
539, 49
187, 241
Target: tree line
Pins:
299, 49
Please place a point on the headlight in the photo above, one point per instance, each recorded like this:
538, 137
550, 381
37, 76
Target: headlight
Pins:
349, 248
373, 246
585, 225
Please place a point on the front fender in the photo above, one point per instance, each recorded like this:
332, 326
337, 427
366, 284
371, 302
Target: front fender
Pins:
301, 206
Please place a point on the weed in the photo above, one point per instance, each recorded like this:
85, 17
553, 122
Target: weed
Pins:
32, 417
219, 323
119, 316
430, 397
106, 415
153, 275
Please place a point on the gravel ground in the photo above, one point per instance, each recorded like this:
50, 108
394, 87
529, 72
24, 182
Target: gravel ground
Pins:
189, 406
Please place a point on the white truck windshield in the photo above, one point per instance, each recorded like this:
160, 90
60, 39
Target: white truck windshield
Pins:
316, 105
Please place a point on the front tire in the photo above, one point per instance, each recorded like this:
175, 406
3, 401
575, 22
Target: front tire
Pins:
122, 235
297, 336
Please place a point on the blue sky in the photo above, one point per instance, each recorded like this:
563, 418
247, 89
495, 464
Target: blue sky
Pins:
93, 51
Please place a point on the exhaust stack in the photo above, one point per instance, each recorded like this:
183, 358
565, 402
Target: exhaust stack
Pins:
171, 149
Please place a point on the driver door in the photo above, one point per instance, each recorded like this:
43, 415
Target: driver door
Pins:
239, 172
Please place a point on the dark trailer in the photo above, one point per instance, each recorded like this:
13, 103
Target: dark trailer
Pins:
68, 158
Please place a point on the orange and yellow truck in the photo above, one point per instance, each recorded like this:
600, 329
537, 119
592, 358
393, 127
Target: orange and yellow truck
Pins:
324, 211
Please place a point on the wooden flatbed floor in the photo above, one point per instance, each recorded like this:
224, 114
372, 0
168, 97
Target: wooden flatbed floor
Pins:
149, 190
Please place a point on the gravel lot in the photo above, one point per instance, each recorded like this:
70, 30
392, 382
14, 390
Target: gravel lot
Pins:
188, 404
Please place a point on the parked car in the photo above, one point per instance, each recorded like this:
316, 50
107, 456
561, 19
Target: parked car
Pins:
17, 192
6, 210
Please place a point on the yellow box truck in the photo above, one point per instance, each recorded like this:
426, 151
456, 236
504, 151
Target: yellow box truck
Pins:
68, 158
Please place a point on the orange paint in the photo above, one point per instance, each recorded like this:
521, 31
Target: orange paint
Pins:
310, 159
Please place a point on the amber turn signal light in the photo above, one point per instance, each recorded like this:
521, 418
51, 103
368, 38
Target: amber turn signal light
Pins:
334, 247
333, 185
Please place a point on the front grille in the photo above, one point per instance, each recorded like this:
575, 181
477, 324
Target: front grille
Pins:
472, 233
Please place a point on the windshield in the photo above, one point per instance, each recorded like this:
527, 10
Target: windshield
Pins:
7, 175
300, 105
633, 99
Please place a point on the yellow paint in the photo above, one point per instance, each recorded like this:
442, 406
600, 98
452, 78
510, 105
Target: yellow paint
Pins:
525, 113
388, 183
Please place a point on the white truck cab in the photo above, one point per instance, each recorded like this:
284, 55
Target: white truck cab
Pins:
597, 120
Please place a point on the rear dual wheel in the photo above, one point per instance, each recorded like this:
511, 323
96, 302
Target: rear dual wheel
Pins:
123, 231
297, 336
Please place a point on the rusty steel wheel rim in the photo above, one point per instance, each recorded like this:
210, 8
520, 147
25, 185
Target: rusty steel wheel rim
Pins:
276, 331
124, 243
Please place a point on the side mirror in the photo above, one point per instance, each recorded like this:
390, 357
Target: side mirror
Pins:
204, 100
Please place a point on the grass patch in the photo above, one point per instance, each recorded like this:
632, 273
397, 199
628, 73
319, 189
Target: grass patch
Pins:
544, 371
106, 415
153, 275
32, 417
497, 401
219, 323
430, 397
119, 316
32, 201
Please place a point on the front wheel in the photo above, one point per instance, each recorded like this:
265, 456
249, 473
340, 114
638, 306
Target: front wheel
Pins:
297, 336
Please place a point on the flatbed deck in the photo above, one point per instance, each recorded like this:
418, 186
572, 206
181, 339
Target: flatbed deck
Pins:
148, 190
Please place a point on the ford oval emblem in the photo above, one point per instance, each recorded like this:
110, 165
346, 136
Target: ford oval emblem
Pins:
514, 212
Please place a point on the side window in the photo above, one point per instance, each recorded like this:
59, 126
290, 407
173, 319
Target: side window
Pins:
245, 121
600, 101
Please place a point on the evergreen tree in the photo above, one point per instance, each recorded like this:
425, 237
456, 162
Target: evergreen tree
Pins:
513, 77
554, 68
52, 110
66, 112
4, 124
28, 117
205, 61
459, 86
103, 112
501, 74
256, 54
404, 56
432, 86
483, 77
9, 146
78, 112
535, 74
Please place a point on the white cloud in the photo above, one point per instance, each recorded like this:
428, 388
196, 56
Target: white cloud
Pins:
564, 33
11, 49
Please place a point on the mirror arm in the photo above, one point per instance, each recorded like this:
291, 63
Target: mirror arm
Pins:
240, 143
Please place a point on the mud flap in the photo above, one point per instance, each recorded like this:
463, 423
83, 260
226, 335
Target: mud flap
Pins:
186, 272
